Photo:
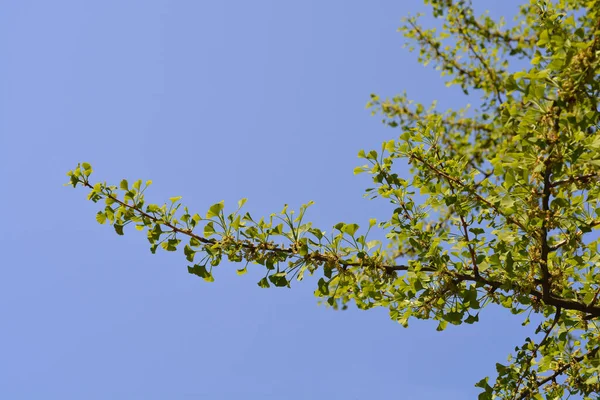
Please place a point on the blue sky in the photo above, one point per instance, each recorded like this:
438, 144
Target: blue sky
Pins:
212, 101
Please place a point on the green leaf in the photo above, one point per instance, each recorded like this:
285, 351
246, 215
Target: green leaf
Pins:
209, 229
441, 326
476, 231
511, 84
270, 263
323, 288
170, 245
189, 253
196, 218
242, 271
487, 393
390, 146
317, 233
279, 279
359, 170
124, 185
152, 208
236, 223
449, 200
264, 283
87, 169
303, 247
284, 210
507, 201
350, 229
215, 209
101, 217
373, 243
201, 271
453, 317
118, 229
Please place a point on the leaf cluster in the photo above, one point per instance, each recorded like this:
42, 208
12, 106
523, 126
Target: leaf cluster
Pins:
502, 205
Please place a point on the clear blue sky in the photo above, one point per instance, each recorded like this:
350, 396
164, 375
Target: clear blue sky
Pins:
211, 100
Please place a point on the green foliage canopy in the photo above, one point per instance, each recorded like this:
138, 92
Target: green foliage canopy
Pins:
510, 199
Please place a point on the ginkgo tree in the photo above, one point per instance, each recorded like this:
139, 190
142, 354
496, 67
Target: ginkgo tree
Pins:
502, 205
